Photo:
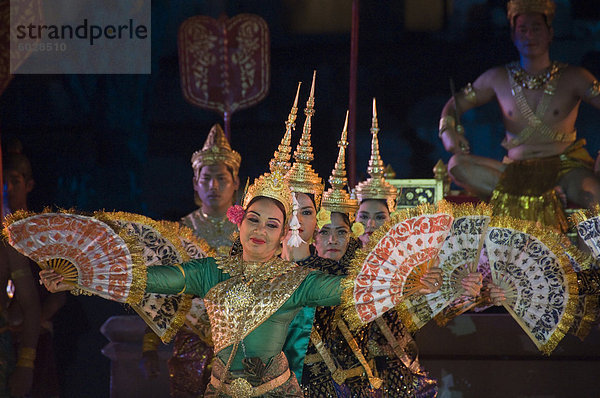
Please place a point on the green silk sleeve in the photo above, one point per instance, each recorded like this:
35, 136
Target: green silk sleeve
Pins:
195, 277
319, 290
298, 337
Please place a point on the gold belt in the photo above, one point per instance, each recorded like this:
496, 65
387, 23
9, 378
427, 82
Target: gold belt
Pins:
241, 388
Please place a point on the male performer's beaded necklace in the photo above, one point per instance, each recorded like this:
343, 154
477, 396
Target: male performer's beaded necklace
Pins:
533, 82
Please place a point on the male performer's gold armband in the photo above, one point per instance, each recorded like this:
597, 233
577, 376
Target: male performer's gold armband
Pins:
469, 93
594, 90
26, 357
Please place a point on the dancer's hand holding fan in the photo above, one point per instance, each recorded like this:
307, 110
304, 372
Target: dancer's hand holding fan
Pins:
532, 278
107, 255
84, 252
458, 259
398, 262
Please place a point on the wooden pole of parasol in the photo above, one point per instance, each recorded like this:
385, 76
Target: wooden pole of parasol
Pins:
352, 94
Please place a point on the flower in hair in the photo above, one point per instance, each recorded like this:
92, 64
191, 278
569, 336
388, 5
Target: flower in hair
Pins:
323, 218
358, 229
235, 214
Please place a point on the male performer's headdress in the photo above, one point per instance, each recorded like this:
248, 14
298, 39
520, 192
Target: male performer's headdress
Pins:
517, 7
302, 177
337, 198
216, 150
376, 187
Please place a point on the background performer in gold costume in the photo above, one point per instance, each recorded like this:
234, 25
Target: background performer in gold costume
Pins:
216, 181
539, 100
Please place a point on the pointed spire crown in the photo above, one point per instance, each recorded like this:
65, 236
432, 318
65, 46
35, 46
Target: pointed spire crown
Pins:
376, 187
337, 198
282, 155
302, 177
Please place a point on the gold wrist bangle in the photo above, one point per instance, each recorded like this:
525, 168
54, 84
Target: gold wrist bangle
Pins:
27, 353
446, 122
25, 363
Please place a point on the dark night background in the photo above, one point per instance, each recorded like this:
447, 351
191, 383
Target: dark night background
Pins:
124, 142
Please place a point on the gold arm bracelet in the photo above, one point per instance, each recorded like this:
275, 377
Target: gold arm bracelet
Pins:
26, 357
150, 342
182, 273
80, 292
446, 122
594, 90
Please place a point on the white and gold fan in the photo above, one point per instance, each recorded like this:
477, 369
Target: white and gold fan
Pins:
398, 255
531, 266
90, 254
163, 242
588, 229
458, 256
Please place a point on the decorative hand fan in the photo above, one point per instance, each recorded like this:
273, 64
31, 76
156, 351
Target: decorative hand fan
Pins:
530, 264
399, 253
91, 255
458, 257
586, 314
162, 242
588, 229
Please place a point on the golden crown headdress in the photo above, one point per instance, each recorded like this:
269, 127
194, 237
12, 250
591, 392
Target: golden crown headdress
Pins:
271, 185
216, 150
376, 187
517, 7
337, 198
302, 177
282, 155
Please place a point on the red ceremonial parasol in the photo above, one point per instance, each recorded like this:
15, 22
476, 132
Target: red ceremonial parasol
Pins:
224, 63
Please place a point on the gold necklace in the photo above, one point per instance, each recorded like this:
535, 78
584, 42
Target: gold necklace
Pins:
532, 82
253, 270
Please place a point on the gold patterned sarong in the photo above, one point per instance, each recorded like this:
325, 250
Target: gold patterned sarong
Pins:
526, 188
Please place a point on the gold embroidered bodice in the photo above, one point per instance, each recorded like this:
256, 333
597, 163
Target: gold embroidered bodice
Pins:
252, 294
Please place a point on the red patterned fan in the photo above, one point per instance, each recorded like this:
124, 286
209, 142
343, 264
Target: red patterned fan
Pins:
458, 257
224, 63
93, 254
398, 255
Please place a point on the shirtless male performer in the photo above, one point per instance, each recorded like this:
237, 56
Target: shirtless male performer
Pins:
539, 100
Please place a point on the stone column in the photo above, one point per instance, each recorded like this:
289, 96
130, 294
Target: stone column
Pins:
127, 375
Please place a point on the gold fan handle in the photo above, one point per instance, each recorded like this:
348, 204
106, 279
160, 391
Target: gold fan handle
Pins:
63, 267
413, 281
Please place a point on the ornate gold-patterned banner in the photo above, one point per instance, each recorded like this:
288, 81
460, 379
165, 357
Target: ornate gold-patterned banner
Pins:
24, 12
224, 63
